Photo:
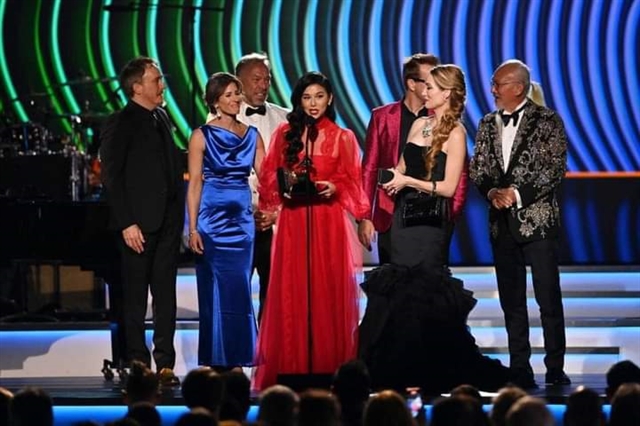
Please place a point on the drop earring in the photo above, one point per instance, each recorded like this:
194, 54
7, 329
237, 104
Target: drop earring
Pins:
217, 114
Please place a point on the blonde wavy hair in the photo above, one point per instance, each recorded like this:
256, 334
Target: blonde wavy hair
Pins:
447, 77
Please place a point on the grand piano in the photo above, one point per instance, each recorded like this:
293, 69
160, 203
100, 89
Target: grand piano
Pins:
62, 232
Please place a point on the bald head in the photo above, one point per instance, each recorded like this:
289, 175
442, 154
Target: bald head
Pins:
510, 84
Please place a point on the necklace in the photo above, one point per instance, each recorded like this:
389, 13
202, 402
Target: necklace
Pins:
429, 124
426, 130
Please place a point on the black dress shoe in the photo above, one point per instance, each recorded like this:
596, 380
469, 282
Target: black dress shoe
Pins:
524, 381
556, 378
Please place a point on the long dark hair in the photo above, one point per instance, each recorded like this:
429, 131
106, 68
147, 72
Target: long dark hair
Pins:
298, 119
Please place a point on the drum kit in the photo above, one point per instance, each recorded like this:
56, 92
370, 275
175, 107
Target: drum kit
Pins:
32, 144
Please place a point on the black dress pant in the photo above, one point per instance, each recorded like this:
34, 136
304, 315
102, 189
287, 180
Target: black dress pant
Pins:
155, 268
510, 257
262, 263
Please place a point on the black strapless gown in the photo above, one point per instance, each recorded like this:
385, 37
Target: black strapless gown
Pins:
414, 330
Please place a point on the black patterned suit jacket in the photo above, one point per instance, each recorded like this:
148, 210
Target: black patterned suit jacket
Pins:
536, 168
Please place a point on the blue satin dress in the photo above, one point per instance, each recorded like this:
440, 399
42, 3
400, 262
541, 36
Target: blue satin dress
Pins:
225, 222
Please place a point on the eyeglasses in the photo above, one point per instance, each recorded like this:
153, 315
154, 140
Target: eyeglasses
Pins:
495, 84
420, 80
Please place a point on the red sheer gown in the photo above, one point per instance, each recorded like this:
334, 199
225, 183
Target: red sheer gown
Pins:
335, 253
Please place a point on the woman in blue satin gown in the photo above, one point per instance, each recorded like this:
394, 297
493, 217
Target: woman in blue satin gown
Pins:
221, 226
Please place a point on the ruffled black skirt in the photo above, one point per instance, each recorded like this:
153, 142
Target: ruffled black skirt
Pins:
414, 333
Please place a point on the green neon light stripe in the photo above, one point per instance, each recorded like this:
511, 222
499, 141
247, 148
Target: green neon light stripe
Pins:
236, 33
201, 70
105, 52
277, 70
93, 69
184, 65
133, 37
43, 71
8, 84
181, 122
57, 60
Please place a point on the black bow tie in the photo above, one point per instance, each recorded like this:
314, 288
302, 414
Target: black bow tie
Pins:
513, 116
261, 110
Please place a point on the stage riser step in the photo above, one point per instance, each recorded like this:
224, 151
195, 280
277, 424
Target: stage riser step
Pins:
586, 294
573, 308
80, 353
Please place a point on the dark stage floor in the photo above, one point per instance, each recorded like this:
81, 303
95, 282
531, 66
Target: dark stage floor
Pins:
83, 391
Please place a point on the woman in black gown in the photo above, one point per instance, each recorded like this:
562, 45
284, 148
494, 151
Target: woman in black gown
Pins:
414, 331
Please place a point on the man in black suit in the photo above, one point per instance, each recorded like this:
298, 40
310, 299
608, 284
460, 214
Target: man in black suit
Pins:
143, 177
518, 165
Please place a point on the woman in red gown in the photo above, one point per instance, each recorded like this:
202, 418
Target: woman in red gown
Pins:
315, 294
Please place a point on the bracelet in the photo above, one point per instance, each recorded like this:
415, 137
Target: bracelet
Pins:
433, 188
195, 231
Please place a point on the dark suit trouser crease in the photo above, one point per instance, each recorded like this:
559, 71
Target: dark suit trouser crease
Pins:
510, 256
155, 268
262, 263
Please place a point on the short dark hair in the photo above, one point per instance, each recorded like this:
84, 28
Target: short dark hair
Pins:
142, 384
352, 381
621, 372
203, 387
411, 66
251, 59
133, 71
583, 408
32, 406
215, 87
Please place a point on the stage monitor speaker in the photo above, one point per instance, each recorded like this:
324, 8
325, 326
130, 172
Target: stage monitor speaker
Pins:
301, 382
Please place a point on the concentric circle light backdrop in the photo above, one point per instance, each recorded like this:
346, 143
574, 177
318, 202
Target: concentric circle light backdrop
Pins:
61, 57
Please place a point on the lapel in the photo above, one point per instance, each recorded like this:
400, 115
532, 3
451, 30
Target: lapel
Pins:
520, 139
393, 119
495, 135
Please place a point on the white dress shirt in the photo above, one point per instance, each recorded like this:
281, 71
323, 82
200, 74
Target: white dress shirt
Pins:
508, 136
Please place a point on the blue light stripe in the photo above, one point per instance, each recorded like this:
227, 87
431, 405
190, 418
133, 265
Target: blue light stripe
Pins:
358, 104
405, 47
433, 40
531, 42
310, 57
597, 84
630, 57
558, 85
460, 58
375, 53
277, 70
485, 53
509, 35
181, 123
624, 149
593, 229
574, 229
623, 224
577, 86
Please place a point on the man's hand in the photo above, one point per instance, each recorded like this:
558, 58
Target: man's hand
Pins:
133, 238
264, 220
502, 198
366, 233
